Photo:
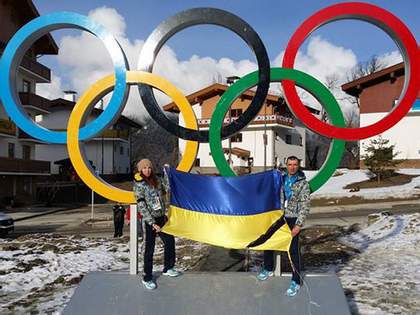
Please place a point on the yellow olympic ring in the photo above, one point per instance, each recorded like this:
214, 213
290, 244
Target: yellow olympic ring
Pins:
90, 97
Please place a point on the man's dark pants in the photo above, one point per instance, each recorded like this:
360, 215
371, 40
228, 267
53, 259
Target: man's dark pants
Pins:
118, 223
169, 249
294, 253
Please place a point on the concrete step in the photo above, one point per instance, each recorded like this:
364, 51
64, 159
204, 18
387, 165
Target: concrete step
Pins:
206, 293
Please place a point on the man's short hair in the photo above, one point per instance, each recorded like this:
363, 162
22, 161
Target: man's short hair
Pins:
292, 158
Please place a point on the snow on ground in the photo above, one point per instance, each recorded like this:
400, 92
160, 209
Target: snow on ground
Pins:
378, 266
39, 272
334, 186
384, 277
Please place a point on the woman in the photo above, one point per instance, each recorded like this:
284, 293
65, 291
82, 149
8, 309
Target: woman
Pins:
148, 192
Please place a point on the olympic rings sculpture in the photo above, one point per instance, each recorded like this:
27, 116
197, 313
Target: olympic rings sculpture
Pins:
77, 131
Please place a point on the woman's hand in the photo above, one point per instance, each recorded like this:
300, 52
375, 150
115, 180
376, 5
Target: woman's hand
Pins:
295, 230
156, 228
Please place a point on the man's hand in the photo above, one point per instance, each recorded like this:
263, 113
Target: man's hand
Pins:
296, 230
156, 228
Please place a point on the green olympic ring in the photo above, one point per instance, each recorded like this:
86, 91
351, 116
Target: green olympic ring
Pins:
303, 80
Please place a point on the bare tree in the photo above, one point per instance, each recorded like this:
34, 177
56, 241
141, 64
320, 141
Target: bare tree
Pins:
362, 69
155, 143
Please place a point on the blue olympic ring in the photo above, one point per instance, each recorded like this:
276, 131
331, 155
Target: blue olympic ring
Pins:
15, 51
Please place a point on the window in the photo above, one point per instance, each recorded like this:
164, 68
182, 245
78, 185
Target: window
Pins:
121, 150
39, 118
26, 152
236, 138
197, 162
27, 187
128, 151
11, 150
288, 139
26, 87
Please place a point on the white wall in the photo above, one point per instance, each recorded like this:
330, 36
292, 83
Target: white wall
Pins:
52, 153
296, 148
113, 161
253, 141
404, 134
56, 120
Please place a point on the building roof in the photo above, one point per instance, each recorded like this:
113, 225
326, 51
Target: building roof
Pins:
219, 89
27, 12
356, 86
61, 102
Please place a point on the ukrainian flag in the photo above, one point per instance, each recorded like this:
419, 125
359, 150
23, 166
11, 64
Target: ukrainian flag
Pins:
233, 212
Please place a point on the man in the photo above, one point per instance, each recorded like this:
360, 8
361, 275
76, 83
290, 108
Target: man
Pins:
295, 199
119, 212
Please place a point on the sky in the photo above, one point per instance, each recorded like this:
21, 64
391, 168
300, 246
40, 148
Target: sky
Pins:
197, 56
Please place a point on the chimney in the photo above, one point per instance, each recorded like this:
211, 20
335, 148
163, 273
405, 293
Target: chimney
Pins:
70, 95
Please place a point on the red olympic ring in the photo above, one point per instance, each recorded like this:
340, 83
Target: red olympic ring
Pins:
388, 23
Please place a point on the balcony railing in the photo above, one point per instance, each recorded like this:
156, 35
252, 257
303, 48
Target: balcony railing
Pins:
32, 65
36, 67
113, 133
7, 127
34, 100
12, 165
260, 119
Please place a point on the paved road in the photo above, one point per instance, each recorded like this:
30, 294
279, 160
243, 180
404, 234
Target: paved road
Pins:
70, 220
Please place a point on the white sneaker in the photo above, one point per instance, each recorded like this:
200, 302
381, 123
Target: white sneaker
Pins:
171, 273
149, 285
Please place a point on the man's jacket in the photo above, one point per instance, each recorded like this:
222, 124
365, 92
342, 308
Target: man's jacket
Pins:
299, 203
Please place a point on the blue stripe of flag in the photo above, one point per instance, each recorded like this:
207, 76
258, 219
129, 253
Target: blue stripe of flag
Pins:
242, 195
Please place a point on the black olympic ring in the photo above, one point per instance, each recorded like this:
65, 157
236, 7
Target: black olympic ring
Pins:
193, 17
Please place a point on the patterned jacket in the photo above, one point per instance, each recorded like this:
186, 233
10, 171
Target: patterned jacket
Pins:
299, 203
150, 200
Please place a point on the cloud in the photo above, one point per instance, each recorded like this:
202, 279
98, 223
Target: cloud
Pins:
83, 60
81, 67
325, 61
389, 59
51, 90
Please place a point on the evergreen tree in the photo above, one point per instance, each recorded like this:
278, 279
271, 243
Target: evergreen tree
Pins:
379, 157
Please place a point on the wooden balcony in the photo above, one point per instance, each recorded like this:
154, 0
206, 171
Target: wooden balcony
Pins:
12, 165
114, 134
7, 127
258, 120
39, 69
30, 99
32, 65
24, 137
